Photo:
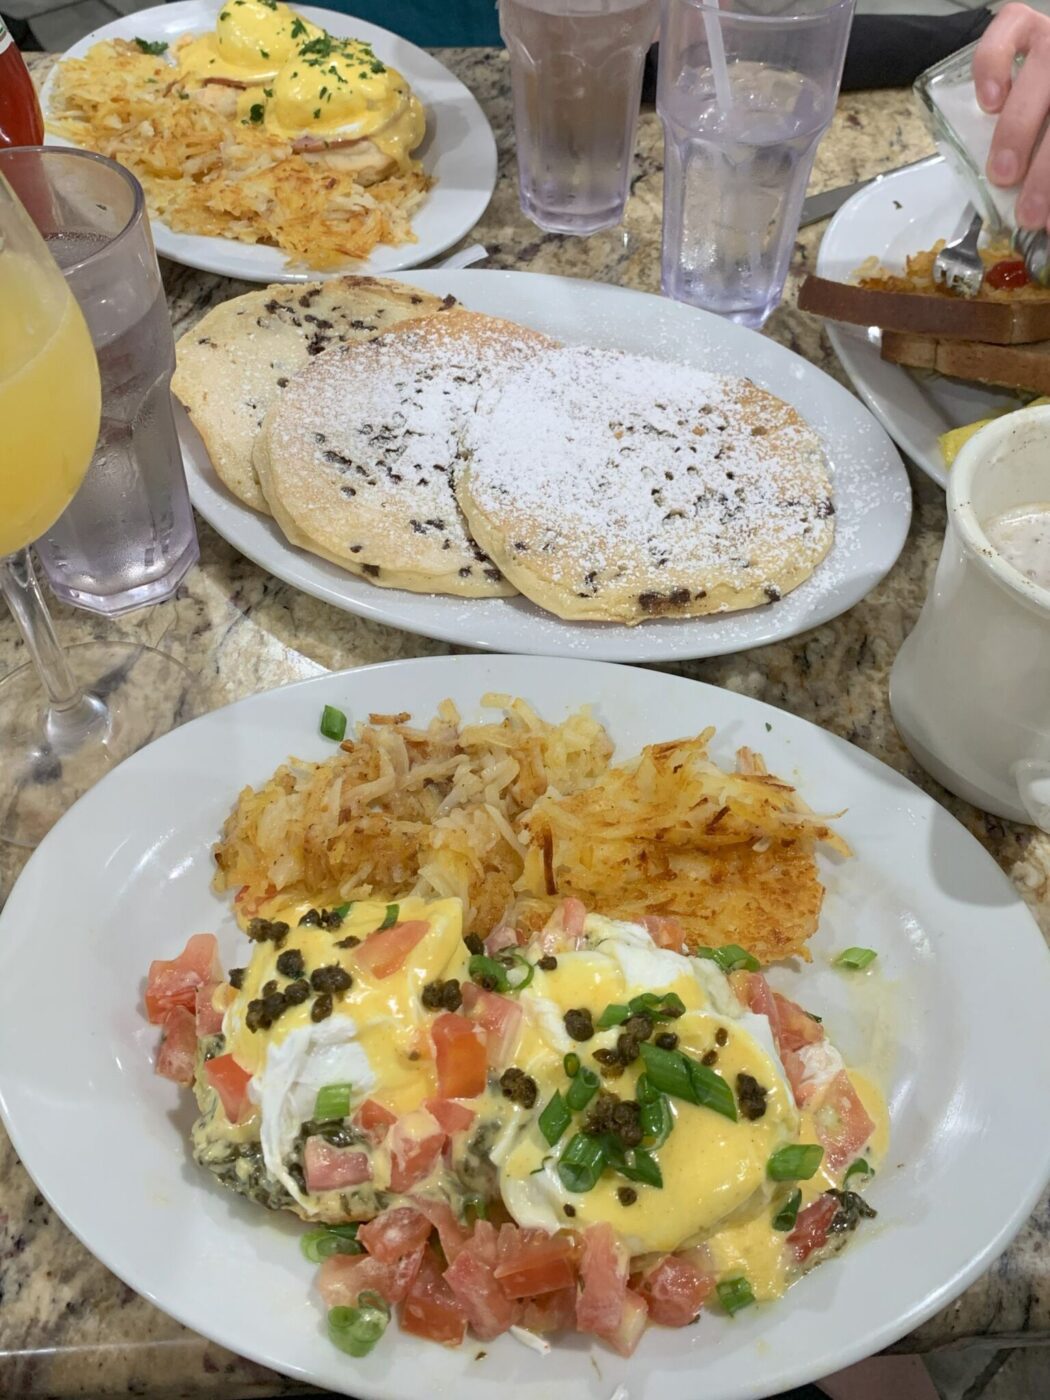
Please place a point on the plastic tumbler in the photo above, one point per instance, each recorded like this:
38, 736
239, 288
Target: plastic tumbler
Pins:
128, 537
746, 90
576, 74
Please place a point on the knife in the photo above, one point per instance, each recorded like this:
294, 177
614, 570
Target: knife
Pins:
823, 205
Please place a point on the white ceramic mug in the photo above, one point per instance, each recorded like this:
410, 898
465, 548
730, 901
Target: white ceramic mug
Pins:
970, 688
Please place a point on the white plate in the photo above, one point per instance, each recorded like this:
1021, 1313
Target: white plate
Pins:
959, 1000
459, 150
901, 213
871, 488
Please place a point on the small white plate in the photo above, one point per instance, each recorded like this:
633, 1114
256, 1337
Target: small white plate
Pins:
952, 1019
901, 213
871, 489
459, 150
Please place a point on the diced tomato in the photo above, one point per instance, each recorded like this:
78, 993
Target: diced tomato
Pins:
603, 1279
209, 1019
383, 954
451, 1233
675, 1290
174, 981
843, 1125
396, 1232
502, 936
342, 1278
452, 1117
627, 1333
531, 1262
331, 1168
472, 1278
796, 1027
665, 932
462, 1065
550, 1312
230, 1082
811, 1227
374, 1120
499, 1017
177, 1055
414, 1149
430, 1308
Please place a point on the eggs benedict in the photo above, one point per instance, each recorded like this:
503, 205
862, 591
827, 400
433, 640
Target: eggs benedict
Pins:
331, 99
654, 1129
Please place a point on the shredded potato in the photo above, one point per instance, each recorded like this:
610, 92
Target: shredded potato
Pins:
205, 173
918, 275
513, 816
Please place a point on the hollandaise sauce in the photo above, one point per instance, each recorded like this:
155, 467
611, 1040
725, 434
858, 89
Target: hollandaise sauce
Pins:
638, 1120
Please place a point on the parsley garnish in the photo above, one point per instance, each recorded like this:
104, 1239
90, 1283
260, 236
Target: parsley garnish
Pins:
256, 112
317, 113
157, 46
298, 27
264, 53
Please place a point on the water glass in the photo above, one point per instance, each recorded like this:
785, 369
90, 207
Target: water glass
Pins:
576, 74
128, 537
746, 90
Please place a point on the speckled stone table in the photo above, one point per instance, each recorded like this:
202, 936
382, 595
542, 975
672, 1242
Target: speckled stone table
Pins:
67, 1326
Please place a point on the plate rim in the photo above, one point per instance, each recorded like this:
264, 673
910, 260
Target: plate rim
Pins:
407, 256
1019, 1212
216, 504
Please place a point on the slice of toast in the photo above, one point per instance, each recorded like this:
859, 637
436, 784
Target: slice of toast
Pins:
997, 321
1012, 366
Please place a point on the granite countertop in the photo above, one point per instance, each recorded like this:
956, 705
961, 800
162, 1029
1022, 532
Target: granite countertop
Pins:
67, 1326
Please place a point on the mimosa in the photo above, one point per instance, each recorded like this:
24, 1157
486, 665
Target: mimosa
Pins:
49, 399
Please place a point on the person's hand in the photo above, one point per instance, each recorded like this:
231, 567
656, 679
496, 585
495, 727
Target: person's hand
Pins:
1023, 102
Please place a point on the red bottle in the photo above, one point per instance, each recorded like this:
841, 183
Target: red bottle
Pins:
21, 123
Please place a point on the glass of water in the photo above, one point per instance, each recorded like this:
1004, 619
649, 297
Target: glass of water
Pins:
128, 537
576, 74
746, 90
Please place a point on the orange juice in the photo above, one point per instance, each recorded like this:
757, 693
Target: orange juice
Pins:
49, 399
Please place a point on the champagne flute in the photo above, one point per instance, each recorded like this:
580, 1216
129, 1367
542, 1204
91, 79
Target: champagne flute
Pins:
67, 717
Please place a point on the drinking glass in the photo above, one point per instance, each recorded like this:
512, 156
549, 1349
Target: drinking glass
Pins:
746, 89
576, 74
128, 537
68, 717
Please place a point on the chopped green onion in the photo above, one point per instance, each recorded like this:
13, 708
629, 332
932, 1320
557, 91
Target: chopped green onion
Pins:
636, 1164
555, 1118
858, 1168
582, 1162
657, 1121
510, 961
478, 1205
856, 959
613, 1015
572, 1064
660, 1006
482, 969
674, 1073
333, 721
730, 958
582, 1089
390, 918
786, 1216
318, 1245
343, 909
356, 1330
333, 1101
644, 1091
734, 1294
796, 1162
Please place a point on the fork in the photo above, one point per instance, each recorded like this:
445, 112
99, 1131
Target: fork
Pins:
958, 266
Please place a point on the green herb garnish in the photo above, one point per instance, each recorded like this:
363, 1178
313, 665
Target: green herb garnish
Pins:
356, 1330
582, 1089
317, 1245
785, 1218
154, 46
582, 1162
858, 1168
683, 1078
856, 959
571, 1064
256, 112
333, 721
796, 1162
730, 958
555, 1118
390, 918
333, 1101
734, 1294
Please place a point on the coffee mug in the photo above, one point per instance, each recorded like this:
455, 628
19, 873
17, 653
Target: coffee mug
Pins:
970, 688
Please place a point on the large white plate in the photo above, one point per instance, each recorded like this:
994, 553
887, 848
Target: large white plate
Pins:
871, 488
459, 150
898, 214
958, 1006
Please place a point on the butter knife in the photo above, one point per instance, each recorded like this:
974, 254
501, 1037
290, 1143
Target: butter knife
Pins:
828, 202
